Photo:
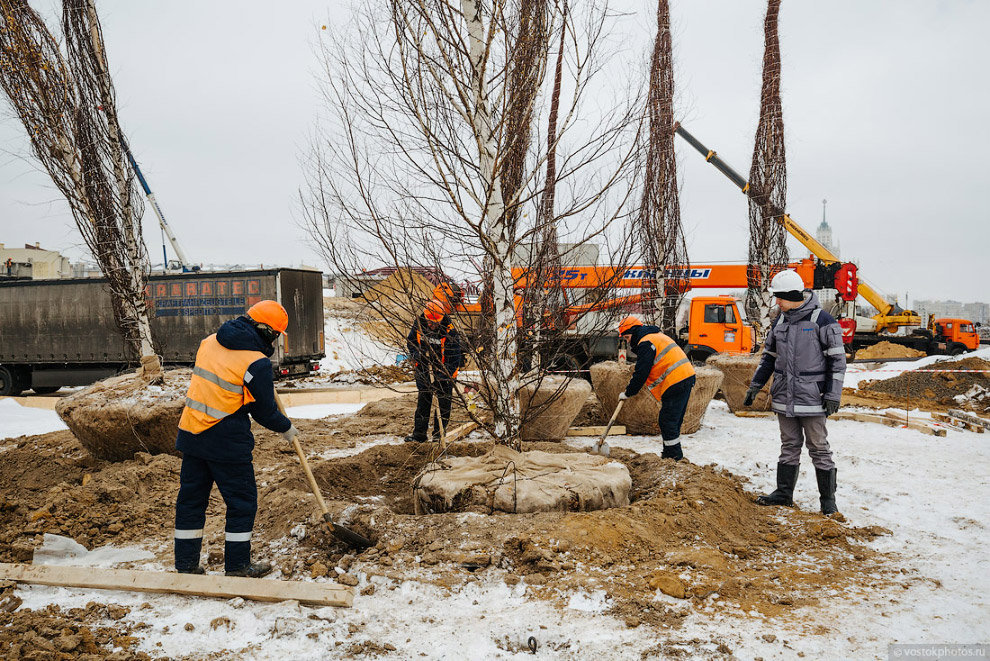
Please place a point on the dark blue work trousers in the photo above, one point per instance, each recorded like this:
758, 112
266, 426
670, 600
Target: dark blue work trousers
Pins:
673, 404
240, 493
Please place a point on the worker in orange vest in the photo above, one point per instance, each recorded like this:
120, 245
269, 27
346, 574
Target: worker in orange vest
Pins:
232, 378
435, 348
667, 372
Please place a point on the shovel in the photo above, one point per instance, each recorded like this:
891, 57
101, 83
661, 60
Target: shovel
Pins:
600, 446
340, 532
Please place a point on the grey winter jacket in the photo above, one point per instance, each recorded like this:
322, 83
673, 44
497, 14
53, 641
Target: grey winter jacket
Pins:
805, 355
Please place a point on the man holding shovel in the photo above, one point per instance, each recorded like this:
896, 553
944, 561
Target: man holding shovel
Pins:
232, 378
435, 349
667, 372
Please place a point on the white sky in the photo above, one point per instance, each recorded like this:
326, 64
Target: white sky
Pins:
884, 112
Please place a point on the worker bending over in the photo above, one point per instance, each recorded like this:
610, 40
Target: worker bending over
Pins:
232, 378
435, 349
668, 374
804, 354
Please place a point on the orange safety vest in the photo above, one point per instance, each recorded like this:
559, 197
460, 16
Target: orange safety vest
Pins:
671, 365
443, 346
216, 389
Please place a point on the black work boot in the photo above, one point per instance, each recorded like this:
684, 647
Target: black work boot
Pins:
254, 570
412, 438
192, 570
672, 452
826, 490
784, 494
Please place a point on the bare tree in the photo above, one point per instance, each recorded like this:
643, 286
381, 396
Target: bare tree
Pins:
768, 183
67, 105
434, 158
659, 222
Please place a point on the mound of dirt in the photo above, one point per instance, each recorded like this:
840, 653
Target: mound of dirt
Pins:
886, 349
962, 389
549, 407
690, 531
118, 417
738, 370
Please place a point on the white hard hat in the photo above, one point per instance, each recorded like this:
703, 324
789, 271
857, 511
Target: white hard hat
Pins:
787, 280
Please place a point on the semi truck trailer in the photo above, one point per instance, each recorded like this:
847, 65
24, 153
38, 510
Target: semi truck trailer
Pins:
56, 333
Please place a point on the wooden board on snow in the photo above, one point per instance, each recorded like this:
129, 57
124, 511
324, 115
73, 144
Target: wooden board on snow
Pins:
969, 417
616, 430
221, 587
890, 421
959, 422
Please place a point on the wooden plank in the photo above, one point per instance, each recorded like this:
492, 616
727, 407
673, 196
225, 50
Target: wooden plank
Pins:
968, 417
889, 422
617, 430
221, 587
460, 432
956, 422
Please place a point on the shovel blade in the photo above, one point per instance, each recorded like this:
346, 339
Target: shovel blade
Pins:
346, 535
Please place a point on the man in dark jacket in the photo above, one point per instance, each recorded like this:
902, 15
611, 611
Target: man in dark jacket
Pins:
805, 355
232, 378
667, 373
435, 349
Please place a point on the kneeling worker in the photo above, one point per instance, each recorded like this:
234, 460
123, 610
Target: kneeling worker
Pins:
664, 368
805, 355
232, 378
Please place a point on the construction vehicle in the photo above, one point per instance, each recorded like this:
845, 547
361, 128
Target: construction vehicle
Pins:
56, 333
858, 332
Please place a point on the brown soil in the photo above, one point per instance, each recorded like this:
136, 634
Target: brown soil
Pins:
930, 389
690, 531
885, 349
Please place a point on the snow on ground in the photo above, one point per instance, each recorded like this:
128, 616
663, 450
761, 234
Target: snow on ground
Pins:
932, 493
350, 347
17, 420
857, 372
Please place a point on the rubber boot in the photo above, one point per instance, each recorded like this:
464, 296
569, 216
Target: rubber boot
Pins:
672, 452
253, 570
412, 438
784, 494
826, 490
195, 570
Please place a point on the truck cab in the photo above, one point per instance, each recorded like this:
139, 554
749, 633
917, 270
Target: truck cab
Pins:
957, 335
715, 326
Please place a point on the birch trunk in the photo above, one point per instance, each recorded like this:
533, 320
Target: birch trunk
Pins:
497, 232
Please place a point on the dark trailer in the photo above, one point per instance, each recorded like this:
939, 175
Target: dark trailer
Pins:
57, 333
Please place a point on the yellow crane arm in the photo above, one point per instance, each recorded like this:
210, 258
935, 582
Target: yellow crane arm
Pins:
885, 320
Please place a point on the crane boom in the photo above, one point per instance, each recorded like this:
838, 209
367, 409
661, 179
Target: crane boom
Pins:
891, 316
158, 211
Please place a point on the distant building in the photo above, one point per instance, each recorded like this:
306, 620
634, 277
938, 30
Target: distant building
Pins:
975, 312
824, 236
33, 262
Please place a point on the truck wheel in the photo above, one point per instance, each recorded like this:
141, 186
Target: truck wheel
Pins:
955, 349
9, 384
45, 390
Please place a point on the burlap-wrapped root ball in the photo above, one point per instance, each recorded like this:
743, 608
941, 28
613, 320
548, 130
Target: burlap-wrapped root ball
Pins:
738, 370
552, 418
117, 417
640, 414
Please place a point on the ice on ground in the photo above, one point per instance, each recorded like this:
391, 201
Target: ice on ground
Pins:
316, 411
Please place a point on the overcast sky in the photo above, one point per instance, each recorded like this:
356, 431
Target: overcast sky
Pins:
886, 111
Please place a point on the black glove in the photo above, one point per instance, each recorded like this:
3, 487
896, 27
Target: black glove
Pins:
750, 396
831, 406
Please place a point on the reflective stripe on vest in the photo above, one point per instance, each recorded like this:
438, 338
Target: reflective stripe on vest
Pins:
670, 366
216, 388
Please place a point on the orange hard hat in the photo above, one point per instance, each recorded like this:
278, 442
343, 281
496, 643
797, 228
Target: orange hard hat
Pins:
270, 313
434, 310
628, 324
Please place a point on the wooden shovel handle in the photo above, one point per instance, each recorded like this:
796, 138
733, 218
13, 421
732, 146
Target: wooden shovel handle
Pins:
305, 464
618, 407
